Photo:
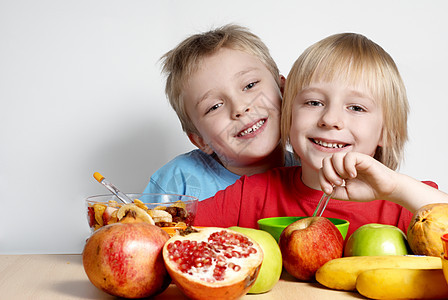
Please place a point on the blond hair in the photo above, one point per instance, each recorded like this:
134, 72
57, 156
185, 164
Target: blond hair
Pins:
182, 61
356, 59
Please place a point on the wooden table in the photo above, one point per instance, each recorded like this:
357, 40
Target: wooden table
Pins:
62, 277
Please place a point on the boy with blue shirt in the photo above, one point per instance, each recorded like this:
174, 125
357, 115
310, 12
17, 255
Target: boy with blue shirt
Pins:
226, 90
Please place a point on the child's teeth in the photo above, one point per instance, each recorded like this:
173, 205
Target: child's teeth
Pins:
329, 145
253, 128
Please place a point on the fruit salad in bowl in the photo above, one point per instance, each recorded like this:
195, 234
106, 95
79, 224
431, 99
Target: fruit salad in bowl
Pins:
168, 211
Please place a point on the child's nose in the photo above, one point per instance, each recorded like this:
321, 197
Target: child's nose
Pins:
332, 118
239, 111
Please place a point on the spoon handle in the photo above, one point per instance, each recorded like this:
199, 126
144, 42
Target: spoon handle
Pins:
322, 204
100, 178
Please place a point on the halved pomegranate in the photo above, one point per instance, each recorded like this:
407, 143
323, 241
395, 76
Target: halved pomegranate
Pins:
213, 263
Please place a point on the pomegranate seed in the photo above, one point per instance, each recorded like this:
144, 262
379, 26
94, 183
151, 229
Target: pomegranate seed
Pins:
236, 268
220, 263
169, 247
183, 267
236, 254
220, 258
252, 250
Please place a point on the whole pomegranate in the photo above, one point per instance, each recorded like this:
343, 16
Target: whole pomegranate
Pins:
213, 263
429, 223
125, 259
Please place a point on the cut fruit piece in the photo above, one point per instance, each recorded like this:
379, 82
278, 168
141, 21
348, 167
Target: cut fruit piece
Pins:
160, 215
213, 263
139, 213
99, 210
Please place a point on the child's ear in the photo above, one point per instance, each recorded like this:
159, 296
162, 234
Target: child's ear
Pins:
199, 142
282, 83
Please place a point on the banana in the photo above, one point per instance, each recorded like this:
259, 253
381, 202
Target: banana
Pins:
160, 215
341, 273
139, 213
402, 284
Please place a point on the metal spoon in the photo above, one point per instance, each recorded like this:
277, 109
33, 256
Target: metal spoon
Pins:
322, 204
100, 178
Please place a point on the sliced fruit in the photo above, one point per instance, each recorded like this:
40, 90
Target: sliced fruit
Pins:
108, 215
99, 210
139, 213
213, 263
160, 215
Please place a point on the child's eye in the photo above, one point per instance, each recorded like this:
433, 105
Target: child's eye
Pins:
214, 107
356, 108
314, 103
250, 85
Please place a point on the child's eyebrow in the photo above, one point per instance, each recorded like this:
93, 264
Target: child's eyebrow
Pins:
203, 97
237, 75
310, 89
358, 94
351, 92
245, 71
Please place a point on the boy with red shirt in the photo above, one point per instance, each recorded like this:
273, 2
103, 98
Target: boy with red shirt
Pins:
344, 113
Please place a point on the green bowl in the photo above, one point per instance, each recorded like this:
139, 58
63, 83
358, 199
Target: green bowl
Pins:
276, 225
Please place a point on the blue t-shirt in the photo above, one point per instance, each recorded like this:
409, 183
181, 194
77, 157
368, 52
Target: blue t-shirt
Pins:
196, 174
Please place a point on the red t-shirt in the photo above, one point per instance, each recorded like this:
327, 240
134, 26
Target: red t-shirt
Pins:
281, 192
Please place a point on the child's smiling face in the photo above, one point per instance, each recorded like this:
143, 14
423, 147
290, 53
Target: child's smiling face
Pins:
329, 117
234, 102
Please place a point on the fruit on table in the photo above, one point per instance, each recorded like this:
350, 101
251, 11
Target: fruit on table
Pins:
213, 263
271, 268
341, 273
376, 239
429, 223
125, 259
309, 243
402, 284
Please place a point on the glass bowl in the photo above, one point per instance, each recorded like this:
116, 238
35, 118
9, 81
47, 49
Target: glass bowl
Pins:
169, 211
445, 255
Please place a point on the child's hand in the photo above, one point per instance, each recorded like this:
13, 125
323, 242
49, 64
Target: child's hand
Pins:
356, 177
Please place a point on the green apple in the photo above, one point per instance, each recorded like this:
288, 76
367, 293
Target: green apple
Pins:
376, 239
272, 265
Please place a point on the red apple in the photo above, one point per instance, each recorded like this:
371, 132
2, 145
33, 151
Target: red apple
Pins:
309, 243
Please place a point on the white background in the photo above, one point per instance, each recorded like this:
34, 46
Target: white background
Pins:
81, 91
